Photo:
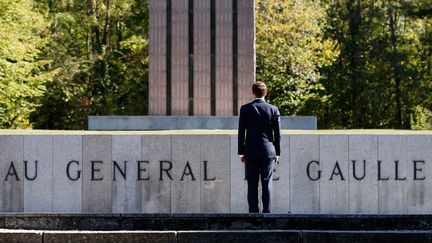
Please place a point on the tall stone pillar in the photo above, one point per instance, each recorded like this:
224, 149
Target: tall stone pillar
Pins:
158, 57
179, 57
202, 56
245, 50
224, 57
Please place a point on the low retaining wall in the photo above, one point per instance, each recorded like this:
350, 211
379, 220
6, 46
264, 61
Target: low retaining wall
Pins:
129, 172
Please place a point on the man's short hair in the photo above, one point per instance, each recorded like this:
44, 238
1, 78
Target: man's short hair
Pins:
259, 89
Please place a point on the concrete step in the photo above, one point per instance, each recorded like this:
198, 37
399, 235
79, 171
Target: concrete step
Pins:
182, 222
214, 236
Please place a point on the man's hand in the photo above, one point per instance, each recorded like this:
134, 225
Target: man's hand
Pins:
242, 158
277, 160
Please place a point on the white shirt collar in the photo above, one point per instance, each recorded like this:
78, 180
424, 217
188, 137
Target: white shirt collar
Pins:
260, 99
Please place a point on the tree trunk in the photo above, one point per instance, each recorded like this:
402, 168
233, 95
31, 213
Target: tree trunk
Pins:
392, 15
87, 46
355, 63
50, 5
119, 34
68, 5
107, 24
95, 39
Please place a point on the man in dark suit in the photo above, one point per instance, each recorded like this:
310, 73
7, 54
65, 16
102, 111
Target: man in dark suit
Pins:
259, 145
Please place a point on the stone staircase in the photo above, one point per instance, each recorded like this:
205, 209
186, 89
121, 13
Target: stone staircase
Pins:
219, 228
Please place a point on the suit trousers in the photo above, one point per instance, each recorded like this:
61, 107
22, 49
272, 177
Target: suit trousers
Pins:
254, 169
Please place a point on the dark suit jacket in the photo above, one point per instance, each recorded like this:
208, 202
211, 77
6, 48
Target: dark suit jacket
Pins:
259, 130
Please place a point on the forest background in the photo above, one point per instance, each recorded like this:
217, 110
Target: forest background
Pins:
351, 63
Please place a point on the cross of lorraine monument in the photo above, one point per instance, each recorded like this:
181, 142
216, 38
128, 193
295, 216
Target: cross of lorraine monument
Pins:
202, 56
202, 67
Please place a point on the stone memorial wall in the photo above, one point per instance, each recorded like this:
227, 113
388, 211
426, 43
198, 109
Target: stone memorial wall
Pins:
162, 173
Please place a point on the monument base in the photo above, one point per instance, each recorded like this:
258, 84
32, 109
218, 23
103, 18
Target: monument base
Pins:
188, 122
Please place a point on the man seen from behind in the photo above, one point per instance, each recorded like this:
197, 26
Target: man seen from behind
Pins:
259, 146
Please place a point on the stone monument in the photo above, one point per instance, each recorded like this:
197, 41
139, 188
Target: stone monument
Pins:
202, 67
202, 56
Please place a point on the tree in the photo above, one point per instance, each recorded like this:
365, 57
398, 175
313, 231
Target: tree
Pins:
376, 81
290, 50
420, 33
100, 50
23, 73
